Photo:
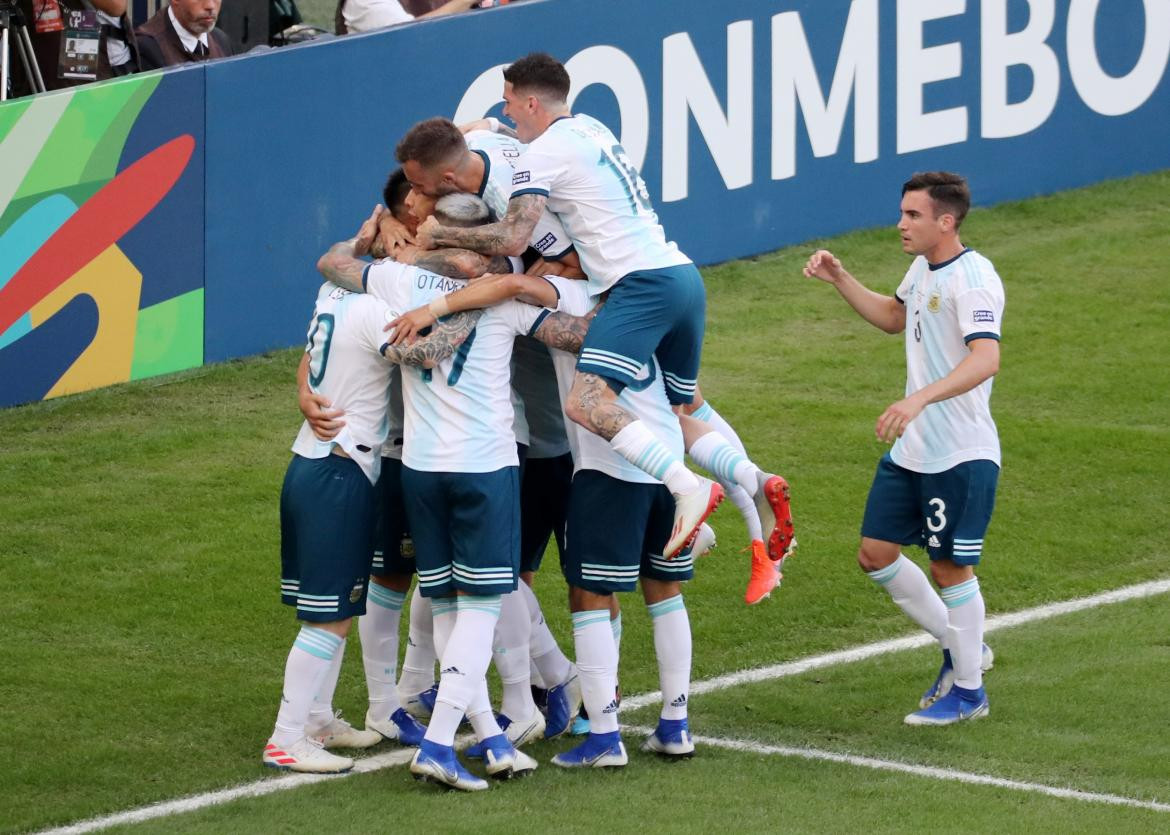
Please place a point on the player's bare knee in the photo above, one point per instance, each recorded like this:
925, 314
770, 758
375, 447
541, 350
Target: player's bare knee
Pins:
946, 573
874, 558
655, 591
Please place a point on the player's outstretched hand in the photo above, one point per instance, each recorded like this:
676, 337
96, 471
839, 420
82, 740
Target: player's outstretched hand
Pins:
406, 327
392, 235
894, 420
325, 422
425, 236
825, 266
368, 232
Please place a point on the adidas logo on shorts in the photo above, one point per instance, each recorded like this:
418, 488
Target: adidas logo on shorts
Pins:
933, 542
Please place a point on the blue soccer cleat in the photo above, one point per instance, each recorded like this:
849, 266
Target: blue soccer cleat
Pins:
564, 701
400, 726
958, 705
435, 763
672, 738
597, 751
946, 676
502, 759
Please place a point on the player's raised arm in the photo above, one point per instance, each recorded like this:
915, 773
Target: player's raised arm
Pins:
342, 263
884, 312
509, 236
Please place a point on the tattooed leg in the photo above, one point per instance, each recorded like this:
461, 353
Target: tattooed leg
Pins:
593, 404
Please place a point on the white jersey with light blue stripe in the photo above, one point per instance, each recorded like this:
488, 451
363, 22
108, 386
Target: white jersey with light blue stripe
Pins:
947, 306
458, 414
345, 365
597, 193
499, 153
646, 398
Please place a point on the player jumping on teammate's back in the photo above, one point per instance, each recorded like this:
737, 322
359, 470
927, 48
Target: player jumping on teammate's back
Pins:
936, 486
656, 303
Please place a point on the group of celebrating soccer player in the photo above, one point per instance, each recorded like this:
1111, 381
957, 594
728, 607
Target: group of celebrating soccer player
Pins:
520, 361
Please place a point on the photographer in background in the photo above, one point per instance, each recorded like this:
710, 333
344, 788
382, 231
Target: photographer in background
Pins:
183, 32
78, 41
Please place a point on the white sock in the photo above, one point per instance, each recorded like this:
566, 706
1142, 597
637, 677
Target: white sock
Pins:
309, 661
965, 614
747, 509
378, 629
642, 448
707, 414
418, 665
615, 626
672, 645
714, 453
549, 663
908, 586
740, 497
464, 661
480, 715
321, 713
597, 662
510, 654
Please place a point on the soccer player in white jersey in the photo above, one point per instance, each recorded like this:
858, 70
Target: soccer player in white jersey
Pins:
328, 506
461, 485
576, 168
600, 561
936, 486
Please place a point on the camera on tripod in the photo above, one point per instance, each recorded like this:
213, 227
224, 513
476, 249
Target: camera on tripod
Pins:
14, 28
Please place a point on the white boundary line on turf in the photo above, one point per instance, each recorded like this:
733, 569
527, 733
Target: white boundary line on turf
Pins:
922, 639
401, 757
931, 772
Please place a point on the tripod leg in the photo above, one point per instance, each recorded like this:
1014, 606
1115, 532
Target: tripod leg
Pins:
3, 59
31, 67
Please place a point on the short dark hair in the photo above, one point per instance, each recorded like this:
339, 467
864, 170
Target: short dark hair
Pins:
431, 142
948, 191
395, 191
539, 72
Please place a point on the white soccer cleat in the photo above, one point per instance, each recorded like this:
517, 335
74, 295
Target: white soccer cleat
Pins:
503, 760
690, 511
704, 541
522, 732
305, 755
340, 734
987, 659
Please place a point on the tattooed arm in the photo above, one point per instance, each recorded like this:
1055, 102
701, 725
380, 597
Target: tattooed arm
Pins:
563, 331
450, 261
341, 263
436, 346
487, 291
507, 237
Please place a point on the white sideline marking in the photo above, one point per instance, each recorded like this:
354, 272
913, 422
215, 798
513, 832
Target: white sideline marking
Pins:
922, 639
791, 668
932, 772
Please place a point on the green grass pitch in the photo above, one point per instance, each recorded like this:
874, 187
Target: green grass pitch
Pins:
143, 640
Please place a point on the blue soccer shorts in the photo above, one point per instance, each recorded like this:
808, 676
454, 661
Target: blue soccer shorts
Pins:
650, 313
616, 532
544, 507
466, 530
393, 546
946, 513
327, 516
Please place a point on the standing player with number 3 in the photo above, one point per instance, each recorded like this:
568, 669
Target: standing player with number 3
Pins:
936, 486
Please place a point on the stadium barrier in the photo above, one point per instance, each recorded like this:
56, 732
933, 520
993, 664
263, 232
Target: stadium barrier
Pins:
157, 222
